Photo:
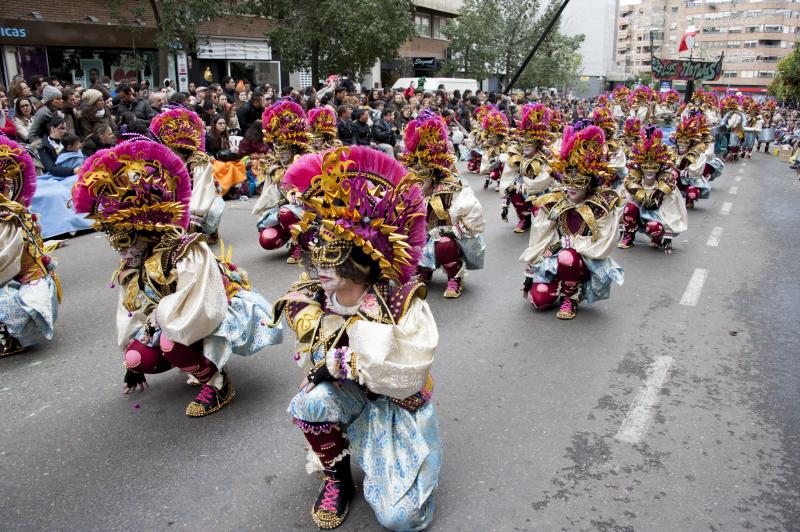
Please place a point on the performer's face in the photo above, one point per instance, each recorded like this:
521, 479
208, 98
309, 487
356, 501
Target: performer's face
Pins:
530, 149
683, 147
576, 195
330, 280
284, 154
650, 170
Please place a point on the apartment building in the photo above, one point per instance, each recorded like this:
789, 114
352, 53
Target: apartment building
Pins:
753, 34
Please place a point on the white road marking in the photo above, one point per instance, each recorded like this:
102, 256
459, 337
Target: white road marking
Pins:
726, 208
40, 410
733, 190
695, 286
713, 240
636, 423
737, 178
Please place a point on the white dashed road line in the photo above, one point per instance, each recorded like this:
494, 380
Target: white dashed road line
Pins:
636, 423
726, 208
713, 240
695, 286
733, 190
738, 178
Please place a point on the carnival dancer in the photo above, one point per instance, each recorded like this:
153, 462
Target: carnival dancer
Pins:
754, 124
641, 103
494, 141
621, 109
575, 230
654, 205
322, 123
617, 161
183, 132
691, 139
767, 113
454, 216
527, 174
365, 338
631, 134
734, 122
286, 128
697, 104
666, 110
179, 305
473, 141
711, 110
29, 288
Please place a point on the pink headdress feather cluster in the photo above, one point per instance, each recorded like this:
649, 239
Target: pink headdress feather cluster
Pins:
285, 123
322, 120
535, 123
582, 160
17, 172
179, 128
651, 148
360, 197
427, 143
135, 186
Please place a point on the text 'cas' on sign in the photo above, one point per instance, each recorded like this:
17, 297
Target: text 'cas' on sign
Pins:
19, 33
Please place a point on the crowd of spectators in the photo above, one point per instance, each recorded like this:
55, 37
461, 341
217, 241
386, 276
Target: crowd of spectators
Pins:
41, 111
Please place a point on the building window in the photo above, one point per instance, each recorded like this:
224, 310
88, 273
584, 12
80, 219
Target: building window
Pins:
750, 44
735, 29
734, 44
729, 74
438, 25
674, 9
422, 22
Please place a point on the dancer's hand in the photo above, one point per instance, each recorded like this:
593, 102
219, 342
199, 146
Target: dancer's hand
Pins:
132, 381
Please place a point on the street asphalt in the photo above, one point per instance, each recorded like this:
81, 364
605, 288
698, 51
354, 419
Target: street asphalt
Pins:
642, 413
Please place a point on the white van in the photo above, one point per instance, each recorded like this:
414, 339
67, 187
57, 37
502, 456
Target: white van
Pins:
431, 84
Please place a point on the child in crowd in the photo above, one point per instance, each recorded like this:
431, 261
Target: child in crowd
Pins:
71, 155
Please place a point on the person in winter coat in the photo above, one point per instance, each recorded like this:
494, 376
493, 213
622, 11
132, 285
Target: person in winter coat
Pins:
52, 101
94, 112
102, 138
361, 130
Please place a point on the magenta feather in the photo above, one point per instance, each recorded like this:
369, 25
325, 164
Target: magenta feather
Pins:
14, 154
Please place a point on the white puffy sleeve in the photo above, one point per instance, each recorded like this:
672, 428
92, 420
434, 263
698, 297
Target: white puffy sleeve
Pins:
673, 212
543, 233
395, 360
467, 211
510, 173
11, 246
269, 198
538, 184
606, 239
203, 190
696, 169
618, 161
199, 303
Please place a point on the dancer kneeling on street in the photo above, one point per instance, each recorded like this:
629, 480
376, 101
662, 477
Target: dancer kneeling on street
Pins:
179, 305
365, 337
576, 227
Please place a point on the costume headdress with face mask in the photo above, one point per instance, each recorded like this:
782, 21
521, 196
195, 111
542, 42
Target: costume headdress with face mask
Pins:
179, 128
582, 162
285, 125
362, 212
535, 124
138, 187
17, 172
427, 144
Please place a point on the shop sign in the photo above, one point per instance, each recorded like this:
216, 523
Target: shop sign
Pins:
686, 69
183, 72
19, 33
425, 62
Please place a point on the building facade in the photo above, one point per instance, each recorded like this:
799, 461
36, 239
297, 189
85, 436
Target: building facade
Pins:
596, 20
754, 35
81, 39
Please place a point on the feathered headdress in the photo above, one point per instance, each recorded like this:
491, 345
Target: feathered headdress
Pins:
731, 103
482, 111
496, 123
179, 128
633, 129
357, 197
427, 143
535, 124
699, 96
17, 172
582, 161
671, 97
602, 118
692, 129
751, 107
620, 94
651, 148
322, 121
711, 100
557, 123
603, 100
135, 186
284, 122
771, 105
642, 94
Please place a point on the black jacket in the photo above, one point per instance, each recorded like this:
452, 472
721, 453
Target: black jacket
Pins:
140, 109
382, 132
247, 114
48, 156
92, 144
345, 131
361, 133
